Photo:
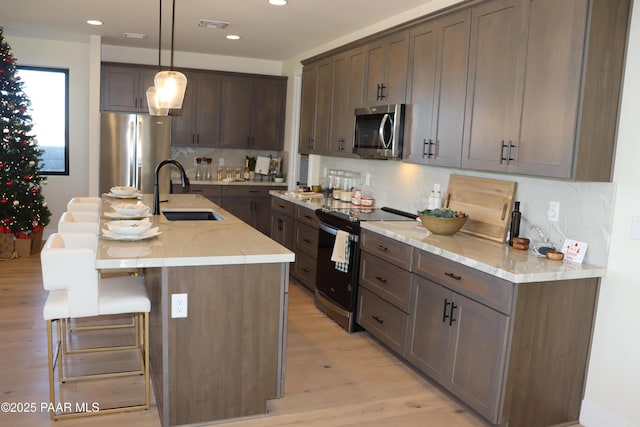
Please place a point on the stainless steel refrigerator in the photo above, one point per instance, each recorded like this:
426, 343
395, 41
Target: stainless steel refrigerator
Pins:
131, 145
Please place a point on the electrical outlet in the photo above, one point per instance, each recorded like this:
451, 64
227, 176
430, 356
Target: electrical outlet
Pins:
553, 214
178, 305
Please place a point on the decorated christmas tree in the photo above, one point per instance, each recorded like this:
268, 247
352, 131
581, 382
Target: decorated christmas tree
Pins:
23, 210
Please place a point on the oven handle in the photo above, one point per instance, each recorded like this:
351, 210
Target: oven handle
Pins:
334, 231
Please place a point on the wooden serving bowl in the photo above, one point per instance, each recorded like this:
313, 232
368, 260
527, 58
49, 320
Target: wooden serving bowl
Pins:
444, 226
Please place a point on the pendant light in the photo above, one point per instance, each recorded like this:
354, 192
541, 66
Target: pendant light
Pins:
152, 96
170, 85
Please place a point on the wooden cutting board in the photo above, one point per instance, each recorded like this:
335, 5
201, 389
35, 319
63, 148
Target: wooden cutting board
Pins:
488, 202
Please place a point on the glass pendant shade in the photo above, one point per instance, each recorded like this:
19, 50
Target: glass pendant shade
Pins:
152, 102
170, 88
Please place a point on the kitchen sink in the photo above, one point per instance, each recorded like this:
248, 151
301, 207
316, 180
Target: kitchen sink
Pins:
191, 215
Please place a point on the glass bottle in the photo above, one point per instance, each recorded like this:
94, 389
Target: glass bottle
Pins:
208, 175
198, 176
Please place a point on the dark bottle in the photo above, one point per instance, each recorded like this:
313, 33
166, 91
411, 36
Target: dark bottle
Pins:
514, 229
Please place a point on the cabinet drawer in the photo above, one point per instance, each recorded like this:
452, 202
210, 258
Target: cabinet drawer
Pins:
484, 288
206, 190
386, 280
283, 207
307, 216
306, 239
382, 320
388, 249
304, 269
246, 191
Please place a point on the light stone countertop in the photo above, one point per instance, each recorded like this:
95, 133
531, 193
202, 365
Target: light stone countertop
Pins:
497, 259
189, 243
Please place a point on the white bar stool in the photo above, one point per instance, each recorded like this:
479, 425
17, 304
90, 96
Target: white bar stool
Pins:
79, 222
76, 290
83, 204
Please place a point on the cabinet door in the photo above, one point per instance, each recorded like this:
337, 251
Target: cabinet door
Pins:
476, 355
453, 55
494, 89
207, 114
183, 126
555, 49
261, 214
316, 107
282, 230
236, 112
348, 88
124, 88
239, 207
267, 127
428, 336
387, 62
419, 132
308, 108
323, 108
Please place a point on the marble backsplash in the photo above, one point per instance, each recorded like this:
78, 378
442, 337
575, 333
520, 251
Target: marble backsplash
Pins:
586, 208
234, 158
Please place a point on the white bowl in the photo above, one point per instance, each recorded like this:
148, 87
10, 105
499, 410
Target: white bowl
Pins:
129, 227
123, 191
131, 209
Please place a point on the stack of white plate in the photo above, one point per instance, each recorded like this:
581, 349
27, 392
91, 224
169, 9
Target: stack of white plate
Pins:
129, 230
123, 192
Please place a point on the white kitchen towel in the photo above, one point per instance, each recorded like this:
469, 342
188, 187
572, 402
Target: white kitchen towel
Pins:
340, 254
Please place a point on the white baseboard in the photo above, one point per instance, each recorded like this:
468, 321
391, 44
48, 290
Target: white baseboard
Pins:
592, 415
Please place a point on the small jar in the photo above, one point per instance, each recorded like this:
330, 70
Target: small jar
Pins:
366, 201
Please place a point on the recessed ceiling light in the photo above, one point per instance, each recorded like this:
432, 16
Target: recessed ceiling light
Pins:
94, 22
278, 2
233, 37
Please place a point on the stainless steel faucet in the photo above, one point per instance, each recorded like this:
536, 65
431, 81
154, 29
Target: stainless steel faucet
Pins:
156, 191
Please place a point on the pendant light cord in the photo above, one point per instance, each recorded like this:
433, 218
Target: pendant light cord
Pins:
160, 37
173, 20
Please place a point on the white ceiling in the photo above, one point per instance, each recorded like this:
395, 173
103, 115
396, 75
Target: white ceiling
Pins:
267, 32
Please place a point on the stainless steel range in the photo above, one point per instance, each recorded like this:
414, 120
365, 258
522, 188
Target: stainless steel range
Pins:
336, 281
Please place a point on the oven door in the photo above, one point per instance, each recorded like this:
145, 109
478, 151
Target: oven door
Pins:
335, 285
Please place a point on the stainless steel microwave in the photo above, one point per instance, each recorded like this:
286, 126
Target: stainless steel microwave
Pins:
379, 132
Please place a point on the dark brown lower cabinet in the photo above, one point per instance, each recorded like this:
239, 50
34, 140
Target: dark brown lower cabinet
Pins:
515, 353
459, 343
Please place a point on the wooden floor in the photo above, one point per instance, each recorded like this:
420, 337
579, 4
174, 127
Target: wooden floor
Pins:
332, 378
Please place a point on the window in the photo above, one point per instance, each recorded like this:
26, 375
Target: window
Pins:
48, 91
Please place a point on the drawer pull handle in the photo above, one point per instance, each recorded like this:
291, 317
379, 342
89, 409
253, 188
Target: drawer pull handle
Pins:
195, 190
308, 217
381, 279
306, 270
445, 316
453, 276
377, 319
382, 248
451, 319
306, 240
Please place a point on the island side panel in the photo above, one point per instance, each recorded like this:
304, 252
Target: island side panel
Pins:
153, 283
223, 358
550, 347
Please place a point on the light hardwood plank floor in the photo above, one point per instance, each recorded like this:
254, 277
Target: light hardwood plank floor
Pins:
332, 378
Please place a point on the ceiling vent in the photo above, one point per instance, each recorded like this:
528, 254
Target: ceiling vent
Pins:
208, 23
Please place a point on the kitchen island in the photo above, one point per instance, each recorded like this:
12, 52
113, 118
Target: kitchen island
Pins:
226, 358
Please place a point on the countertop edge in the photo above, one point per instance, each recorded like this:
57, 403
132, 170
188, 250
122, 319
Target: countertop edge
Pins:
545, 270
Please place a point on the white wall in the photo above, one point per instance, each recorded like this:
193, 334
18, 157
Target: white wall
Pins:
613, 387
75, 57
